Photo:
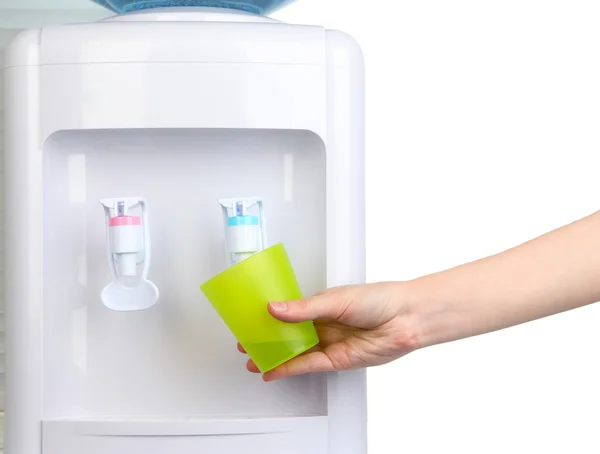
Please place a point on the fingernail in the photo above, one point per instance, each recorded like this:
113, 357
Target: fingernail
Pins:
279, 307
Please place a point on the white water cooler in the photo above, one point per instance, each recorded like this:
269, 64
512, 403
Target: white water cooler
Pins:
123, 139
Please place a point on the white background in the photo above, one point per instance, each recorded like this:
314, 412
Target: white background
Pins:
483, 132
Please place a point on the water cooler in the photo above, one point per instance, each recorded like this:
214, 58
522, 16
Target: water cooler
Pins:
145, 153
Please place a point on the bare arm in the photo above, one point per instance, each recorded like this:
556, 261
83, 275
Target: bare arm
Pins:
554, 273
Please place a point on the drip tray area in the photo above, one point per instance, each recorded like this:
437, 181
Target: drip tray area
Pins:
292, 435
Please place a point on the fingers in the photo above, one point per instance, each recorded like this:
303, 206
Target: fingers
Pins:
312, 361
250, 364
316, 361
317, 307
252, 367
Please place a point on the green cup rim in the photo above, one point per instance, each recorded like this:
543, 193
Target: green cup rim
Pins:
246, 263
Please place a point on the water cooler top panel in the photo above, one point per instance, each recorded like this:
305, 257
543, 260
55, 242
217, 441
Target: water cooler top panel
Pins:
263, 7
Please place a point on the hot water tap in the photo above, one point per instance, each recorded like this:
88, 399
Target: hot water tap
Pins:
129, 245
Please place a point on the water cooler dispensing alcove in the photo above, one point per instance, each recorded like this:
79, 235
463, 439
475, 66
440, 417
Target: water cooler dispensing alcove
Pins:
145, 154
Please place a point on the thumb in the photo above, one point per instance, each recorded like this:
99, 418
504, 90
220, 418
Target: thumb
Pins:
308, 309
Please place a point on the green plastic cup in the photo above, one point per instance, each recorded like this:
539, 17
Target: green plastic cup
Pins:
241, 295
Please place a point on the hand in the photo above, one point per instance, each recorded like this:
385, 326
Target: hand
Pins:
358, 326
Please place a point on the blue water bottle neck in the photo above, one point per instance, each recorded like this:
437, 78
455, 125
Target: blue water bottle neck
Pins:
260, 7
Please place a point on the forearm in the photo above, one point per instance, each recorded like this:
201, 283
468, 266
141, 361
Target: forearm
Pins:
553, 273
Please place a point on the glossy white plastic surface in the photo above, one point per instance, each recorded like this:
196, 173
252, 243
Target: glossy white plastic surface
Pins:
126, 242
169, 379
177, 359
23, 165
244, 239
190, 436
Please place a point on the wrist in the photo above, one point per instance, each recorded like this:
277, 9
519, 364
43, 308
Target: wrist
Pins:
434, 316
